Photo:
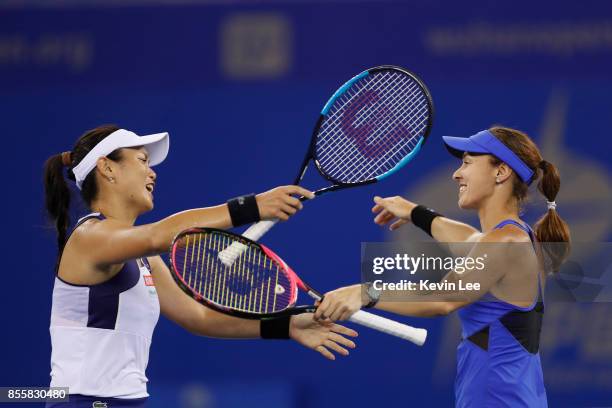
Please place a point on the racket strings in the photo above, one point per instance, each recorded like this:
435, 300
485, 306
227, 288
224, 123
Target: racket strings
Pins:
400, 103
254, 283
376, 83
369, 109
381, 147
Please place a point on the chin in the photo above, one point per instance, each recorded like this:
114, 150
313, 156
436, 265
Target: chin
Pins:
146, 206
465, 205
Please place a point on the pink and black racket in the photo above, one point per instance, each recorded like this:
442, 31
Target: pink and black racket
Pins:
258, 284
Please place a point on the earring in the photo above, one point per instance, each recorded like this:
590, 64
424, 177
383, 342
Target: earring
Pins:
111, 179
497, 180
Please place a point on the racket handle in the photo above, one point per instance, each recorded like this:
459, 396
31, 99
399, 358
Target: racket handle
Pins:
403, 331
229, 255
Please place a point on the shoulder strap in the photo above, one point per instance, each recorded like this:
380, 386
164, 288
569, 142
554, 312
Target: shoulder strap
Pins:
88, 217
529, 231
79, 222
524, 227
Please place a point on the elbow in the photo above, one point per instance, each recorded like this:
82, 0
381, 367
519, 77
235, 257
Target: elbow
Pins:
444, 309
194, 326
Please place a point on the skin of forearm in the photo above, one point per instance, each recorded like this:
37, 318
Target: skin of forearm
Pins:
165, 230
446, 230
214, 324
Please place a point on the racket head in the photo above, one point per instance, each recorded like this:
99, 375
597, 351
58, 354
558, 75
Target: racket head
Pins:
256, 285
372, 126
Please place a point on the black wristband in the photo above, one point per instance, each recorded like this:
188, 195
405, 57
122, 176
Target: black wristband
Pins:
275, 327
243, 210
422, 217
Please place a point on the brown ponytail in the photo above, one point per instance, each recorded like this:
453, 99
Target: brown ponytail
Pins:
550, 229
57, 197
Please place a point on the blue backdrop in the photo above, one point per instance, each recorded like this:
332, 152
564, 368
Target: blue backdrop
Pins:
238, 87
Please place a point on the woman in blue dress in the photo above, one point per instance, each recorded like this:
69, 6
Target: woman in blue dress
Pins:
498, 362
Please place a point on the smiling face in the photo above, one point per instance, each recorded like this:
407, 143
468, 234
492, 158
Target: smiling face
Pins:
477, 180
134, 179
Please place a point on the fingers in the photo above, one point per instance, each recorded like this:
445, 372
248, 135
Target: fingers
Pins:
346, 331
293, 202
287, 209
321, 312
280, 203
342, 340
336, 347
383, 217
325, 352
340, 313
299, 191
397, 224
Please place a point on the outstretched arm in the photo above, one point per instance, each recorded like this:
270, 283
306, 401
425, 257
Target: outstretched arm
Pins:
495, 247
200, 320
115, 242
397, 210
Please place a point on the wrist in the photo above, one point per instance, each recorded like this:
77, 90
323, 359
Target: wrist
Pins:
423, 217
372, 295
243, 210
275, 327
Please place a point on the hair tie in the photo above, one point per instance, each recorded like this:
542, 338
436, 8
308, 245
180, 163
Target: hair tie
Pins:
66, 160
551, 205
543, 164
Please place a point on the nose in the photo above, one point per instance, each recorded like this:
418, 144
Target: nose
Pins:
457, 174
152, 174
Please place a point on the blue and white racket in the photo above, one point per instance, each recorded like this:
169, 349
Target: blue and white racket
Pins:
370, 128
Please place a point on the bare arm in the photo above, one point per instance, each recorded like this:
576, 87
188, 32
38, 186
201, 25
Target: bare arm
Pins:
191, 315
397, 210
501, 258
111, 242
200, 320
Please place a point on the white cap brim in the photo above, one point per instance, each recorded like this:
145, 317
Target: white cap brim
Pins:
157, 146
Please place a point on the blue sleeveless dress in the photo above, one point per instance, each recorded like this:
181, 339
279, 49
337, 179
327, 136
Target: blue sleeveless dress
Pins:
498, 363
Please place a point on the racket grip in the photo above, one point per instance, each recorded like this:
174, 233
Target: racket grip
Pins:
229, 255
388, 326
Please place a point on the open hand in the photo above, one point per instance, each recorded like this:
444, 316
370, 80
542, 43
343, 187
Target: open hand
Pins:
395, 209
321, 336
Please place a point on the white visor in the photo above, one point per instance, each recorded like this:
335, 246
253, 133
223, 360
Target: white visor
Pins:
157, 146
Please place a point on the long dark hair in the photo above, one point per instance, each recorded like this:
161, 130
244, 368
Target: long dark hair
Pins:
57, 192
550, 228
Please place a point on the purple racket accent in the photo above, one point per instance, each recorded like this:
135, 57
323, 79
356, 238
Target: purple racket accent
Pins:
372, 126
362, 133
254, 283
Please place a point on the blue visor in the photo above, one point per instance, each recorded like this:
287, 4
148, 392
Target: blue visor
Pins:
485, 142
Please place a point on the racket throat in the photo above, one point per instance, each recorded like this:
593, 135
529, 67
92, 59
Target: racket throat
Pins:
314, 294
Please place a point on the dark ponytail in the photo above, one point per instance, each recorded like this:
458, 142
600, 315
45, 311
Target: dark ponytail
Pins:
57, 192
57, 197
550, 228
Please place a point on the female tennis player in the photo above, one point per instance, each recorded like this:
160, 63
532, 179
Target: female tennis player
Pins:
111, 284
498, 360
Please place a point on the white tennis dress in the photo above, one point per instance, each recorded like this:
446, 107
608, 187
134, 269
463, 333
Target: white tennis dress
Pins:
101, 334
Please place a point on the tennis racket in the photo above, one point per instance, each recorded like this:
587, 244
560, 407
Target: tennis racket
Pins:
371, 127
257, 285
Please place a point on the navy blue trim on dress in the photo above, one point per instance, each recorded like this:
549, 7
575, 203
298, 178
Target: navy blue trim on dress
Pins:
524, 325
